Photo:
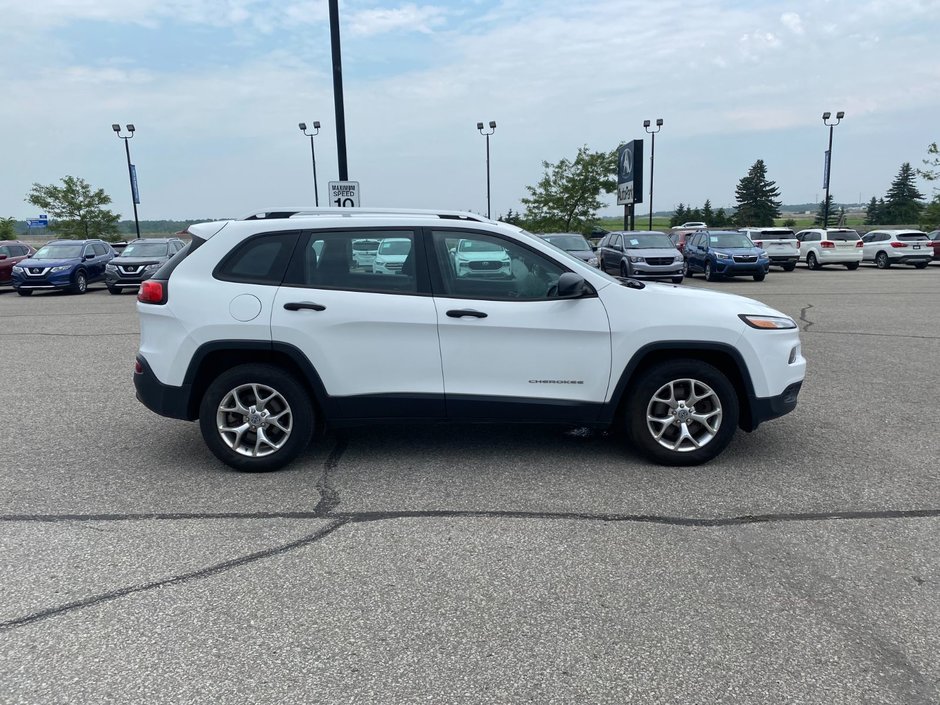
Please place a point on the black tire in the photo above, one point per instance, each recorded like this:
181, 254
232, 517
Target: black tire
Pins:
688, 270
921, 265
24, 292
759, 277
882, 261
812, 262
710, 273
115, 290
851, 266
292, 396
79, 282
677, 280
624, 270
679, 372
789, 267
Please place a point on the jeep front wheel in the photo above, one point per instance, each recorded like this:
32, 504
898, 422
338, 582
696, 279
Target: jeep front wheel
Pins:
682, 412
256, 418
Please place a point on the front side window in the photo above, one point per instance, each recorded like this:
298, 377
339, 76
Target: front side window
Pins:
100, 249
382, 261
617, 242
476, 265
261, 259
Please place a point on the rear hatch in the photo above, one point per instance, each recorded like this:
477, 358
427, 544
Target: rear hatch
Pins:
918, 242
843, 239
776, 242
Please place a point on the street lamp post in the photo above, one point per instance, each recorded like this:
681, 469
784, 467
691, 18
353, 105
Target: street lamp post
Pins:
130, 168
646, 126
830, 125
487, 135
313, 156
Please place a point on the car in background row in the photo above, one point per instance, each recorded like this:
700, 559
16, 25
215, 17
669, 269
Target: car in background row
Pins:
480, 259
721, 253
63, 265
390, 255
887, 247
934, 237
139, 260
12, 252
697, 224
363, 253
780, 244
641, 254
819, 246
574, 244
680, 236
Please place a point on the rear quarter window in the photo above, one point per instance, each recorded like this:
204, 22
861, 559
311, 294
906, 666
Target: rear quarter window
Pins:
261, 259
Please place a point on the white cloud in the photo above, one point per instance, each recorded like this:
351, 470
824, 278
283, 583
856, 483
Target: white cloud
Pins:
410, 17
792, 21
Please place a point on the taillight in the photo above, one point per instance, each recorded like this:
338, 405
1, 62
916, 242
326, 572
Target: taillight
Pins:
138, 368
827, 244
152, 292
859, 244
898, 244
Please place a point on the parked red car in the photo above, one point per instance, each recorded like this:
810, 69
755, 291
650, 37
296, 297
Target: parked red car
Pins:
680, 235
934, 236
11, 252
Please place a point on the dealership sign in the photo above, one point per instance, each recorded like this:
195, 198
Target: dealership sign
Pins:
630, 173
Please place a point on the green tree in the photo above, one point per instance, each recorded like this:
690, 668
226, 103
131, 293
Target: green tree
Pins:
75, 210
694, 215
930, 217
903, 202
511, 218
789, 223
720, 219
873, 213
707, 214
932, 162
678, 217
7, 229
833, 218
756, 198
568, 195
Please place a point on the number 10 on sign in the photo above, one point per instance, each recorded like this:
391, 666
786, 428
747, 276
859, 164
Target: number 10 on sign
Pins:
344, 194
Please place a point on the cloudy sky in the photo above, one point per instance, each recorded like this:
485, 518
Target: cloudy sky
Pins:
216, 89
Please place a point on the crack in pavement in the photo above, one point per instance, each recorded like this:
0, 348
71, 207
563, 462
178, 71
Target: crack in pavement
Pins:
803, 317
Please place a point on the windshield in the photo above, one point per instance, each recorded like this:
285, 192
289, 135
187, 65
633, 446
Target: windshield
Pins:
572, 243
145, 249
59, 252
395, 247
478, 246
729, 240
642, 241
843, 235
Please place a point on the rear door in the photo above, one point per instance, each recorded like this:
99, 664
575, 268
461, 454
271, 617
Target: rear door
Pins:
509, 348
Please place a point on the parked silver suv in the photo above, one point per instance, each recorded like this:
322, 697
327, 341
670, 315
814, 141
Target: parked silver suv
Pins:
646, 254
887, 247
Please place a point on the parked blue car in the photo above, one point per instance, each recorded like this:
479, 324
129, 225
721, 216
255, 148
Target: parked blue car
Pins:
63, 264
719, 253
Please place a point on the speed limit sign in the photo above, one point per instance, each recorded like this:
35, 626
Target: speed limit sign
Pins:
344, 194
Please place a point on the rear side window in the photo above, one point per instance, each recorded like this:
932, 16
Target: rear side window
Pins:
261, 259
843, 235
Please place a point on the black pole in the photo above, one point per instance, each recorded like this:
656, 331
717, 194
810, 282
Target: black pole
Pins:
130, 177
316, 191
652, 166
825, 222
626, 218
488, 176
338, 92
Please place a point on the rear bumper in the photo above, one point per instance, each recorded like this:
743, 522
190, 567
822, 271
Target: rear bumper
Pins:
911, 259
767, 408
163, 399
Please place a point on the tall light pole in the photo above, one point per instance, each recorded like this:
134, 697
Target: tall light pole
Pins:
646, 126
830, 125
313, 156
487, 135
131, 170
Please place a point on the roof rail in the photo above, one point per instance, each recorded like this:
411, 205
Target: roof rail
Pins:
310, 212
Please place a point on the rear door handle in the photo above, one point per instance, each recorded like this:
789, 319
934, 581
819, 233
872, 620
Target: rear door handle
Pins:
297, 305
461, 312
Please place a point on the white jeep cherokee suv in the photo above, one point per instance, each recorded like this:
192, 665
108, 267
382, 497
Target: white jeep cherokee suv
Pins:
264, 327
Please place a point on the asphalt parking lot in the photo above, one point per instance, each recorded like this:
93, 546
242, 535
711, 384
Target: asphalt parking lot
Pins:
472, 564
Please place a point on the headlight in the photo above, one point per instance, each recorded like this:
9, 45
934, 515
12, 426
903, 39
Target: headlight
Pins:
592, 262
762, 254
768, 322
110, 267
17, 268
722, 255
637, 259
61, 268
678, 258
150, 267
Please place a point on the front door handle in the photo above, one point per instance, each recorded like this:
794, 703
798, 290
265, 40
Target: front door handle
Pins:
297, 305
461, 312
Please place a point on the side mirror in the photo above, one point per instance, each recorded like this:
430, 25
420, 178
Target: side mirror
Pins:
570, 286
3, 256
593, 248
88, 257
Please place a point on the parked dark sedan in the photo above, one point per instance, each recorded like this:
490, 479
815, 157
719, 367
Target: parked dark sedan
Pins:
12, 252
139, 260
573, 244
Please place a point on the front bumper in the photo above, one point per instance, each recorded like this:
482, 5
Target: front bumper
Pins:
163, 399
767, 408
57, 280
118, 279
730, 268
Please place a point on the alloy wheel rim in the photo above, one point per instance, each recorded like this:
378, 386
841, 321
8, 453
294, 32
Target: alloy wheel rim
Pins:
684, 415
254, 420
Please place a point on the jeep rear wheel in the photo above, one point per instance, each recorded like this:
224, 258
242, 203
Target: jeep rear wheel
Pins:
256, 418
682, 412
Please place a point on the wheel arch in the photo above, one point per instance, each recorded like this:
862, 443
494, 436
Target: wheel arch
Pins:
720, 355
212, 359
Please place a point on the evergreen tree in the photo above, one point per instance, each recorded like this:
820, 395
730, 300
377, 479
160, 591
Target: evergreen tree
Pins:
695, 215
7, 229
756, 198
833, 218
872, 214
903, 202
678, 217
707, 215
720, 220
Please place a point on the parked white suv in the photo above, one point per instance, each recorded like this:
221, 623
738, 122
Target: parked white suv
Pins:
819, 246
262, 328
887, 247
780, 244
